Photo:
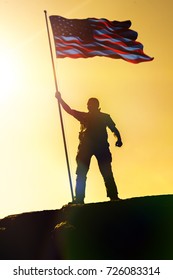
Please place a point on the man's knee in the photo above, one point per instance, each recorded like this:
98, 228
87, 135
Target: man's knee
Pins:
82, 168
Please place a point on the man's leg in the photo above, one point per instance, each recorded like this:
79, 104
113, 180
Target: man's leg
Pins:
104, 161
83, 159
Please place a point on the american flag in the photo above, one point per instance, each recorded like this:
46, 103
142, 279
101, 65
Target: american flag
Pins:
83, 38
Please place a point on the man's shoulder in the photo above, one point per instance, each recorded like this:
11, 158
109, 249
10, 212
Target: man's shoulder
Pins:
79, 112
105, 115
79, 115
108, 120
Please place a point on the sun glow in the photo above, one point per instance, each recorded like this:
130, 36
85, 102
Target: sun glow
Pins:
10, 73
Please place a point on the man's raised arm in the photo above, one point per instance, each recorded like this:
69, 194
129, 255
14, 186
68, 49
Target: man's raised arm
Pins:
65, 106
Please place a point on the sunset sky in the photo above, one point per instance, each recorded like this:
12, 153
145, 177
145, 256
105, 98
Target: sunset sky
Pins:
139, 99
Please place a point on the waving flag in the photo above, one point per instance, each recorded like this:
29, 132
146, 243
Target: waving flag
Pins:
76, 38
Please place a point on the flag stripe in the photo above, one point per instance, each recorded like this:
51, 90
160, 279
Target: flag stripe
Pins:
118, 47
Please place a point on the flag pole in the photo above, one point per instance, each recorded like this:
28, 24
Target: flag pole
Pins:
59, 107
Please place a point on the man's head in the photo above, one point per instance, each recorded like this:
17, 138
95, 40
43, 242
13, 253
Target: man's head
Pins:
93, 104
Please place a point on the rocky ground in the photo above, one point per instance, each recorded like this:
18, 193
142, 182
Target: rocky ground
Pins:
136, 228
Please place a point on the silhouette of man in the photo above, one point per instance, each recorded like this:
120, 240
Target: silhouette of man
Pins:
93, 140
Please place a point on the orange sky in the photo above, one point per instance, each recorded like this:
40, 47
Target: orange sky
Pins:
138, 98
